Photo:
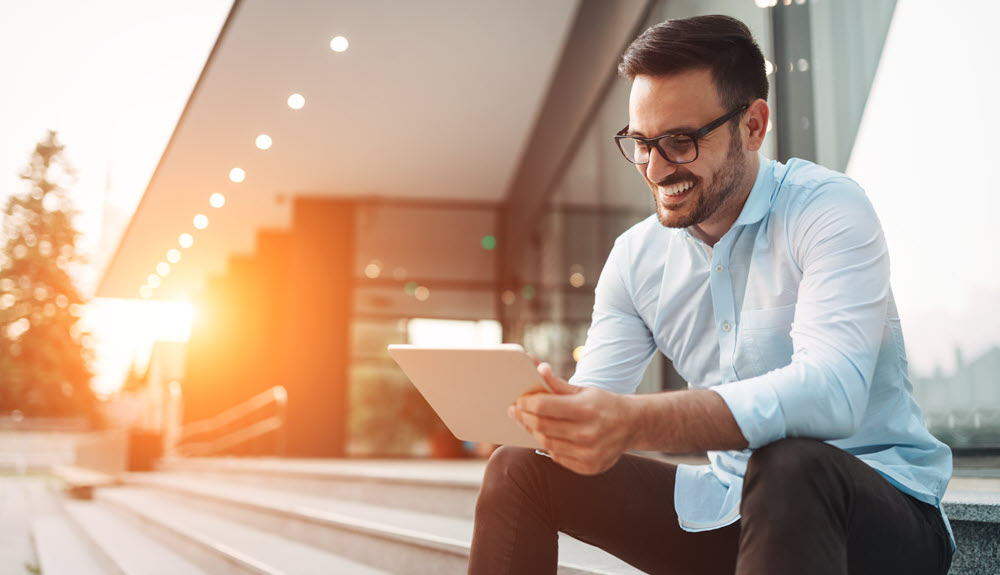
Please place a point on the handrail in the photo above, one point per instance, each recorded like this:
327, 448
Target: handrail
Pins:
277, 395
237, 437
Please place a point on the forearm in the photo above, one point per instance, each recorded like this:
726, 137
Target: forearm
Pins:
683, 422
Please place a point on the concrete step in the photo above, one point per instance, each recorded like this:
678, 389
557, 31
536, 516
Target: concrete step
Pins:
397, 540
130, 550
439, 487
62, 549
222, 546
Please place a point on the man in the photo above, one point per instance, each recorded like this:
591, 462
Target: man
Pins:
767, 285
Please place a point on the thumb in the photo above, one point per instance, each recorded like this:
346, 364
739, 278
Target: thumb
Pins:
557, 385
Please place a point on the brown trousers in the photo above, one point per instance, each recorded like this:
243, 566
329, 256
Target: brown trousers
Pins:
808, 507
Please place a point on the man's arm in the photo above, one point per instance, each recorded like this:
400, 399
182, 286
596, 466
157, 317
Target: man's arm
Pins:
587, 429
822, 394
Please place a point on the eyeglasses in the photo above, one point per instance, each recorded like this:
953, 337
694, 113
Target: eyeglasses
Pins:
674, 148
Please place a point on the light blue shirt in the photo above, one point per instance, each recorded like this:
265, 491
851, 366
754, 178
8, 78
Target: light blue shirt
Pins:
789, 318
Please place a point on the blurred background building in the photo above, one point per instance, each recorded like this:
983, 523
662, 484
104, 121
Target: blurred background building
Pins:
347, 175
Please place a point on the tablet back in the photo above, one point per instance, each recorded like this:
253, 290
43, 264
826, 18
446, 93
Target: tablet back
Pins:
471, 388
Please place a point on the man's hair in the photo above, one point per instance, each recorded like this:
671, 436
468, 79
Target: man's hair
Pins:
721, 44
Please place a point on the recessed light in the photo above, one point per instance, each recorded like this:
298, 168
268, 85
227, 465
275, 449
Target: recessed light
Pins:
186, 240
201, 221
217, 200
263, 141
339, 44
163, 268
296, 101
237, 175
173, 256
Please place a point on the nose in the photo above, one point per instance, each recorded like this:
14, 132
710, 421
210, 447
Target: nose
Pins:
658, 169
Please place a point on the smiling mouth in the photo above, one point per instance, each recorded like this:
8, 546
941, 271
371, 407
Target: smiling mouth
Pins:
672, 195
677, 189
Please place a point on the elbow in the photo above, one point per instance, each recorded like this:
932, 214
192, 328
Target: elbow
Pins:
834, 406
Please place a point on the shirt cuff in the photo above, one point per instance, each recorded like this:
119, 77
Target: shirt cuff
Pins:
756, 408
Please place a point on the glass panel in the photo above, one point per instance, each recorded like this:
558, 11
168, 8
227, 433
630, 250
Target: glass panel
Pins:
939, 220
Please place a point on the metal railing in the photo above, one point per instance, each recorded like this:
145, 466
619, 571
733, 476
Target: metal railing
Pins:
274, 423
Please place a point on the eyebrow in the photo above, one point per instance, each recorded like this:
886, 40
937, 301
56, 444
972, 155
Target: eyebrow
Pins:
674, 132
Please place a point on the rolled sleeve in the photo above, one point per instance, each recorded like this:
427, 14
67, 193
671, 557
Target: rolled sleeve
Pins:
757, 410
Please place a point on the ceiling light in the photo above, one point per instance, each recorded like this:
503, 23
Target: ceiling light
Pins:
201, 221
153, 281
339, 44
296, 101
237, 175
263, 141
186, 240
173, 256
163, 268
217, 200
146, 292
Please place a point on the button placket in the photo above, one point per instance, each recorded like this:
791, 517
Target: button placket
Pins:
724, 303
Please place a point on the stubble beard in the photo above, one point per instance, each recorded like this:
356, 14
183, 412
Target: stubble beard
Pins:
723, 189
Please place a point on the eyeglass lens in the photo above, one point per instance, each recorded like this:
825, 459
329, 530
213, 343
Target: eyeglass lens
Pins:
678, 149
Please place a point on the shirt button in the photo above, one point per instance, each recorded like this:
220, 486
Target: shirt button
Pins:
719, 268
726, 326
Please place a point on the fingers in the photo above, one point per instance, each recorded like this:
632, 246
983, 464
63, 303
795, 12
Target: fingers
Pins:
556, 428
556, 385
573, 408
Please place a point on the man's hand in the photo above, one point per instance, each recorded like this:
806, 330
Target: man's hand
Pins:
584, 429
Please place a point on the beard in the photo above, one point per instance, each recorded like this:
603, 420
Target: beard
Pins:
707, 202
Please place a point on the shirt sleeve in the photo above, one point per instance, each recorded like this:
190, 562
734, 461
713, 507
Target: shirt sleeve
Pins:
837, 242
619, 344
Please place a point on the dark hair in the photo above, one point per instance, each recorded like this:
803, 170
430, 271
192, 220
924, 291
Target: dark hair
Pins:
718, 43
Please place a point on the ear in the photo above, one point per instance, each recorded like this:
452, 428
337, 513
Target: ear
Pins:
755, 121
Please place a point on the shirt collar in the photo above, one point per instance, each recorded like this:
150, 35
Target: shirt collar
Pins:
758, 203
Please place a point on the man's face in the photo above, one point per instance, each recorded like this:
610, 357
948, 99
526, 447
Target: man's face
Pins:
708, 188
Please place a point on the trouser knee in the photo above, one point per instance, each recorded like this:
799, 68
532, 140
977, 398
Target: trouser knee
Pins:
788, 474
509, 468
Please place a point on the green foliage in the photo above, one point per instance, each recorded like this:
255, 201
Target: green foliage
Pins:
44, 359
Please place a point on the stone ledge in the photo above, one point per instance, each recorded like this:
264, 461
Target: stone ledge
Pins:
974, 499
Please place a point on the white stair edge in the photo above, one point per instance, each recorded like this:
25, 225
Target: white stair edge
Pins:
207, 542
122, 542
366, 527
72, 555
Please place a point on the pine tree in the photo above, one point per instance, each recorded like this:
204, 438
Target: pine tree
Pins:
44, 362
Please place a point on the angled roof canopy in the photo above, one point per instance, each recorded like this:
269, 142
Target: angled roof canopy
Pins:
432, 99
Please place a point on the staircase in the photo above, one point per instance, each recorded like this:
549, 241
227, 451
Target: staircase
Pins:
294, 516
281, 516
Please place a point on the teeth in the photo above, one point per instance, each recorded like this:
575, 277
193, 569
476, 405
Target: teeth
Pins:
678, 188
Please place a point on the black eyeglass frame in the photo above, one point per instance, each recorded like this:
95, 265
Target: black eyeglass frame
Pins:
695, 136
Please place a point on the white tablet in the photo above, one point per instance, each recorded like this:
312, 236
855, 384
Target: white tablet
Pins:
471, 388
